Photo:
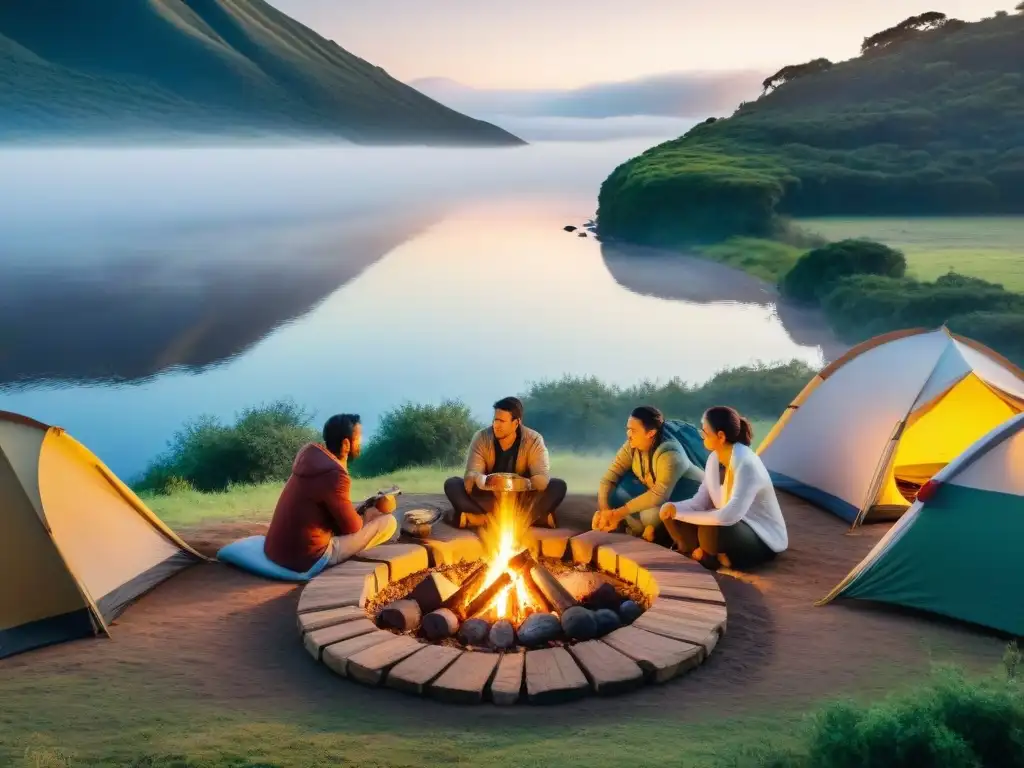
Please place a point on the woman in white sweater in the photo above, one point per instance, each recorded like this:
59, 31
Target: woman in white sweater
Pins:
734, 520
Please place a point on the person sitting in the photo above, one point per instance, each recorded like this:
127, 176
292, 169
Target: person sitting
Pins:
734, 519
314, 518
656, 463
507, 446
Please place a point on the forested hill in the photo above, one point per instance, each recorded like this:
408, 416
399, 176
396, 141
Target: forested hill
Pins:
123, 67
929, 119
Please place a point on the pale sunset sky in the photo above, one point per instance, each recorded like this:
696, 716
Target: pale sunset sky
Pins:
569, 43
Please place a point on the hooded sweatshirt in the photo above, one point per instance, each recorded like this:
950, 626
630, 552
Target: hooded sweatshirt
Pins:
658, 472
314, 506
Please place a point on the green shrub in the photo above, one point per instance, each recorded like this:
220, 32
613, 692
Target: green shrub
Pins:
818, 271
418, 435
865, 305
209, 456
1002, 331
584, 413
952, 722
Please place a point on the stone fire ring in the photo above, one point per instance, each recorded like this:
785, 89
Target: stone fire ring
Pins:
677, 633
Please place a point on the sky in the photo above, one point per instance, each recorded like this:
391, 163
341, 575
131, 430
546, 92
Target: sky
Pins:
570, 43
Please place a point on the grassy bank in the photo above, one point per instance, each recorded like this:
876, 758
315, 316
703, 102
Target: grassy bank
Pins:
255, 503
63, 721
989, 248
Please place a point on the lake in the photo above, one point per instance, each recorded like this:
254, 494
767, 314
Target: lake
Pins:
141, 288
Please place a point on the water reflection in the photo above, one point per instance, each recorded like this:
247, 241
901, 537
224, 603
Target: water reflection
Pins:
651, 272
122, 311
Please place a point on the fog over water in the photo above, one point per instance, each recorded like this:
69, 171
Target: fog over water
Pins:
140, 288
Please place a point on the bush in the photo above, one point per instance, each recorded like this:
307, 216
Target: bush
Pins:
818, 271
585, 414
1002, 331
418, 435
865, 305
208, 456
950, 723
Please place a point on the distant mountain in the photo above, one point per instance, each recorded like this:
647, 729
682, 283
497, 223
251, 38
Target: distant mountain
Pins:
674, 94
142, 67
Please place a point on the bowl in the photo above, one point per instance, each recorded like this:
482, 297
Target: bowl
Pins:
507, 482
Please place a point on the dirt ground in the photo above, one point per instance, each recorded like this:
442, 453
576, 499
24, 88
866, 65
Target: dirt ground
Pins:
222, 636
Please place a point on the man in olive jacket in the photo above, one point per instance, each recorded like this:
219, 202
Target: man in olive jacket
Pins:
510, 447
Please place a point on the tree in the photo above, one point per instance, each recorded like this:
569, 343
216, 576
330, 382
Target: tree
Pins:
1019, 8
793, 71
907, 29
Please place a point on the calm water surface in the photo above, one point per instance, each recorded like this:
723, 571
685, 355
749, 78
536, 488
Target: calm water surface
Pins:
141, 289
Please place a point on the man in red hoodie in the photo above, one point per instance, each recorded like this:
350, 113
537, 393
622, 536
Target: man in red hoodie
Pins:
314, 518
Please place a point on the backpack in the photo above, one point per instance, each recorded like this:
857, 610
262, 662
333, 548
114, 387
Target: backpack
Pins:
688, 436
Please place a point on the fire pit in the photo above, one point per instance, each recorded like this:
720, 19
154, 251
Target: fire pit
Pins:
523, 613
508, 599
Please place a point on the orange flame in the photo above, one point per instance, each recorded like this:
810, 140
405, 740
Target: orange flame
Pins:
505, 535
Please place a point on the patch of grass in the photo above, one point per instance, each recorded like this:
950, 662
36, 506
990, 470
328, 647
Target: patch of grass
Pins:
768, 259
989, 247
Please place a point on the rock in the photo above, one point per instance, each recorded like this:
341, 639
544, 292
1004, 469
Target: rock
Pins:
581, 234
607, 621
474, 632
502, 635
579, 623
569, 228
431, 593
605, 596
629, 612
439, 624
538, 629
401, 616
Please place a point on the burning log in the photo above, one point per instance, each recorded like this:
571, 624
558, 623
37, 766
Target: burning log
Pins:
458, 600
523, 564
481, 601
558, 596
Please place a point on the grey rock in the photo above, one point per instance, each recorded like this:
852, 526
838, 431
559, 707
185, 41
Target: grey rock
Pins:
629, 611
474, 632
579, 623
503, 635
607, 621
538, 629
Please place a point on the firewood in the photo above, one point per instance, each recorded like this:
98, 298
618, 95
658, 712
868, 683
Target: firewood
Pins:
522, 564
481, 601
470, 588
559, 597
439, 624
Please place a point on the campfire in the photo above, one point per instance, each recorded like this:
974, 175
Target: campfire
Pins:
511, 597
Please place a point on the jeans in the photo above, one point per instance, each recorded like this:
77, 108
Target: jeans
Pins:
378, 531
540, 504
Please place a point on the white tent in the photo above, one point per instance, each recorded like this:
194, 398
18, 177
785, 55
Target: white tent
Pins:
880, 421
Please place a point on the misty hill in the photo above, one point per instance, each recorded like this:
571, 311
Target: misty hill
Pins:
73, 67
929, 120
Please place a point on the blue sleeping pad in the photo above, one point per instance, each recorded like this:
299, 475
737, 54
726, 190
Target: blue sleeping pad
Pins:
247, 554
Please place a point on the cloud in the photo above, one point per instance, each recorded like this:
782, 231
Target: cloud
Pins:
680, 94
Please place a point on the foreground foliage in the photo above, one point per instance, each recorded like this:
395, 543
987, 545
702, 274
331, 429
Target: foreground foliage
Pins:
953, 722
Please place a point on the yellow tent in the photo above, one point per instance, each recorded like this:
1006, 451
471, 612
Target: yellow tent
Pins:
77, 546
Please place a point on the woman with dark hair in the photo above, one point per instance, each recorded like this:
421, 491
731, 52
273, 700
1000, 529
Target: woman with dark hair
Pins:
734, 520
657, 463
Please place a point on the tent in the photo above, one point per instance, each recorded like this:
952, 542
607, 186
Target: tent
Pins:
958, 550
76, 545
875, 425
